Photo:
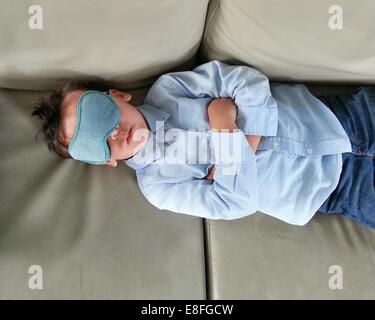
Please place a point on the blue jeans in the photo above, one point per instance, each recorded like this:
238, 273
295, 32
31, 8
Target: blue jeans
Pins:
354, 197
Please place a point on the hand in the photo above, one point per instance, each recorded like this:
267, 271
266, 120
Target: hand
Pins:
222, 113
210, 175
253, 141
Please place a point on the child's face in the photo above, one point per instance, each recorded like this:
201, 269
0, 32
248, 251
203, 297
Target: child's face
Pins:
121, 142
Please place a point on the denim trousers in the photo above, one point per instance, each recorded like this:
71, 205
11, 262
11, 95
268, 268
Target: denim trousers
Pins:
354, 197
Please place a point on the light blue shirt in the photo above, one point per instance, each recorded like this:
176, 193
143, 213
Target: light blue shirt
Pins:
295, 168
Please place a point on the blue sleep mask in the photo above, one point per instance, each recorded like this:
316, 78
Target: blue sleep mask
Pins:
97, 117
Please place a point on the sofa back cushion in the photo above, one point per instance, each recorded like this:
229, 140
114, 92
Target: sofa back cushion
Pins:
295, 40
123, 41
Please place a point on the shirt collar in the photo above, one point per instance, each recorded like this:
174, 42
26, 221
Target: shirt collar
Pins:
151, 150
152, 115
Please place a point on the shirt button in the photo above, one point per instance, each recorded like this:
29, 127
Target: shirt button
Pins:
275, 144
309, 151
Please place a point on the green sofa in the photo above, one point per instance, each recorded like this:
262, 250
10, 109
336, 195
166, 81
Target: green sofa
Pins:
90, 229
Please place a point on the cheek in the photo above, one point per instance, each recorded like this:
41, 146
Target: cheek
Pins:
129, 115
119, 149
116, 146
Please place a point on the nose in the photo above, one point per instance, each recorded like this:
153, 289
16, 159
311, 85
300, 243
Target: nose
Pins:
114, 134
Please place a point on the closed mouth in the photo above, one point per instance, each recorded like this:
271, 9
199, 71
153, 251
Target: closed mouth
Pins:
130, 135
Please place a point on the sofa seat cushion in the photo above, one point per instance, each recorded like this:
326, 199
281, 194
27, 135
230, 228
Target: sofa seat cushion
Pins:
89, 227
259, 257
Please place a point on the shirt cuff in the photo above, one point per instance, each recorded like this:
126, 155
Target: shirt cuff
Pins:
230, 148
259, 121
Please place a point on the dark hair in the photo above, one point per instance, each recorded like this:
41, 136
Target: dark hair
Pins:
48, 110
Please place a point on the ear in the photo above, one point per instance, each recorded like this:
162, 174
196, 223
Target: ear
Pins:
119, 94
111, 163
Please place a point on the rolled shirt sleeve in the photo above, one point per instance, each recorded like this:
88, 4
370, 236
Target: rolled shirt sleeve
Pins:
231, 195
247, 87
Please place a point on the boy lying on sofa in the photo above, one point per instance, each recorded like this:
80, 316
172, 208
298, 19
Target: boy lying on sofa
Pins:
221, 142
